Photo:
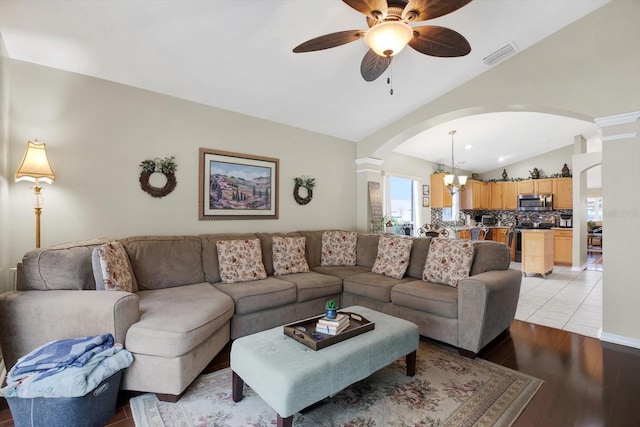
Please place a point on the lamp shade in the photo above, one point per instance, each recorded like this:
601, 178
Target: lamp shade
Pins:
35, 164
389, 37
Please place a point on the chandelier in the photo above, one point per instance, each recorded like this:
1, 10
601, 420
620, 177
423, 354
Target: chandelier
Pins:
454, 183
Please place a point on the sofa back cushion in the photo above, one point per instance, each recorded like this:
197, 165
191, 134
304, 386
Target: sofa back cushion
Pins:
160, 262
210, 262
418, 258
367, 249
313, 246
490, 256
266, 241
59, 267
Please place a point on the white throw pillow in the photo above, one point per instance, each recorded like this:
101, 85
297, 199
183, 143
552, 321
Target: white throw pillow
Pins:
448, 261
393, 256
289, 255
338, 248
240, 260
112, 269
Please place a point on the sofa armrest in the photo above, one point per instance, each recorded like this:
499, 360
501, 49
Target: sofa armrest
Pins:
487, 305
29, 319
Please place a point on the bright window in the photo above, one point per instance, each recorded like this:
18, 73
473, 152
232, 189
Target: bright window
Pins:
401, 202
594, 208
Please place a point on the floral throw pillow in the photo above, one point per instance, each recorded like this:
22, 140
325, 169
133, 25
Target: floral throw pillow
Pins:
338, 248
112, 268
448, 261
289, 255
240, 260
393, 256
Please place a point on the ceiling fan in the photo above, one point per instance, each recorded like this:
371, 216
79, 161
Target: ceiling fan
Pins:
389, 32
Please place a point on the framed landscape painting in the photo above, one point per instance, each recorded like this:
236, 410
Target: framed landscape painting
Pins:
237, 186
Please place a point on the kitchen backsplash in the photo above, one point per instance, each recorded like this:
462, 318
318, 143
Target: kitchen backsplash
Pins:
505, 217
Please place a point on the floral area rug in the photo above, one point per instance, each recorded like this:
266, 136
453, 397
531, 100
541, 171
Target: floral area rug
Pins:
447, 390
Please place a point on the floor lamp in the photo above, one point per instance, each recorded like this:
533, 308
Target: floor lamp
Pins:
35, 167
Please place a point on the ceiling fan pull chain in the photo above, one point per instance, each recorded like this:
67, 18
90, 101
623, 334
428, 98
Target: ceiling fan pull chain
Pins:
390, 79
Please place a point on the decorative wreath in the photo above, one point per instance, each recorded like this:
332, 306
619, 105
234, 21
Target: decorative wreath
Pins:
167, 167
305, 182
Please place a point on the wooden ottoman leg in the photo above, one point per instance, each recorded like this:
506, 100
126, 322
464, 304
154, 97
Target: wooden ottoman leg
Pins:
285, 422
237, 387
411, 363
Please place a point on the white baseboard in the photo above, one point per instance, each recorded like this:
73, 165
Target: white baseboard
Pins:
619, 339
582, 267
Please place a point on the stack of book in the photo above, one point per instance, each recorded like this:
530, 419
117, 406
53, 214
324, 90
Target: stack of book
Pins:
332, 326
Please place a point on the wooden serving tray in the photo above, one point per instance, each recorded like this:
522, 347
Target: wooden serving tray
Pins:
304, 331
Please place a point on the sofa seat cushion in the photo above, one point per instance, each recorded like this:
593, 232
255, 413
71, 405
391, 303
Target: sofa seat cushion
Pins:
342, 271
372, 285
314, 285
259, 295
173, 321
429, 297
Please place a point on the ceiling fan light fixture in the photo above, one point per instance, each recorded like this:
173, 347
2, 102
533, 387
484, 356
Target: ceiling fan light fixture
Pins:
389, 37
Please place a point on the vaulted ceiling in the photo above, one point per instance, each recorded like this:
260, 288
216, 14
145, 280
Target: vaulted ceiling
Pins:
237, 55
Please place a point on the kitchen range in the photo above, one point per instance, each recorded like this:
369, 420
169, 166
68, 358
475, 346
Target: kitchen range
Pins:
534, 220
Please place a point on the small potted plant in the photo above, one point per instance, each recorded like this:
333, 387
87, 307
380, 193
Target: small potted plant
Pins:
331, 309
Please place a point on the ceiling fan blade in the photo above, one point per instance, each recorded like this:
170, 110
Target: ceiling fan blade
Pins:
376, 9
330, 40
421, 10
373, 65
439, 41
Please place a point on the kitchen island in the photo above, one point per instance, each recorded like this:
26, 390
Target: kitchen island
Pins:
537, 251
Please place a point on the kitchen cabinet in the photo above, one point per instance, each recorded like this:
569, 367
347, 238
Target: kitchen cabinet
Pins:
562, 193
495, 200
562, 247
499, 234
440, 196
510, 195
503, 195
536, 186
537, 251
464, 234
475, 195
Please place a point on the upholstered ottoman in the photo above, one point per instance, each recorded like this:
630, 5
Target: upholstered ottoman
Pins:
290, 376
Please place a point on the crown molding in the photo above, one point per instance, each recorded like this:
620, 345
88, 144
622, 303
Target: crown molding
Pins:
619, 136
369, 161
369, 171
618, 119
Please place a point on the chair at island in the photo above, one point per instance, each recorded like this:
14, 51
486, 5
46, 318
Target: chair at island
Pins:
432, 230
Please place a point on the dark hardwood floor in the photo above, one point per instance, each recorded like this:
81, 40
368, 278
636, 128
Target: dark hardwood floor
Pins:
587, 382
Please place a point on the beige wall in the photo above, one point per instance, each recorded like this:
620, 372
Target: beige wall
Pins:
5, 274
98, 132
588, 70
548, 164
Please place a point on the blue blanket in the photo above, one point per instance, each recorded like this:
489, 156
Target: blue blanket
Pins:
72, 381
56, 356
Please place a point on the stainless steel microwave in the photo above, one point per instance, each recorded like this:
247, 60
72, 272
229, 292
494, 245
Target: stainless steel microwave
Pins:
535, 202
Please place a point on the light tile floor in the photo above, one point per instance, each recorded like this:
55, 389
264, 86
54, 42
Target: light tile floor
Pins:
569, 300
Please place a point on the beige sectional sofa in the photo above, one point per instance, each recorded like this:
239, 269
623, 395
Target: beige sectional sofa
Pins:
182, 315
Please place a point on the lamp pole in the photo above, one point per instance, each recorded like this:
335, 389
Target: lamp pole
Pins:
37, 207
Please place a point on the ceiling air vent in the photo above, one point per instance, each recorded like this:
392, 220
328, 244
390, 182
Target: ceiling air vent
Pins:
500, 54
